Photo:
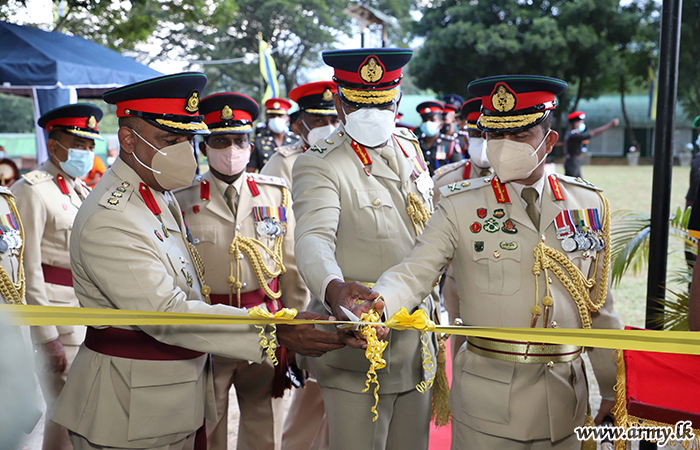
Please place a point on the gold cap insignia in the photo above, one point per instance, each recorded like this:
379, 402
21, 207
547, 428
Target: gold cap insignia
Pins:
276, 105
226, 113
327, 95
503, 99
192, 104
371, 71
92, 122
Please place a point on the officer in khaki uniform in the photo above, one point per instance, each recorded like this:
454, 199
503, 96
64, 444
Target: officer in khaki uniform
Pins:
509, 394
477, 165
306, 425
275, 134
227, 208
151, 386
48, 200
352, 195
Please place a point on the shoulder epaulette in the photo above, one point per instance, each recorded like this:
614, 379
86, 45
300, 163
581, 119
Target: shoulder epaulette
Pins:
6, 191
578, 181
196, 182
268, 179
287, 150
117, 197
405, 133
444, 170
447, 137
325, 146
37, 176
464, 186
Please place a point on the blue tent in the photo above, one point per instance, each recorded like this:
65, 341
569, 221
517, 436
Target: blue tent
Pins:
55, 69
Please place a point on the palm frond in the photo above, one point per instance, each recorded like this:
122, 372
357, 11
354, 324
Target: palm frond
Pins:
674, 312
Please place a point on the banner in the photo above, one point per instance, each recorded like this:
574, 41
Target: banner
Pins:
268, 69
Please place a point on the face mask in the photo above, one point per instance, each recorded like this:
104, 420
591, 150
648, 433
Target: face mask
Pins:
697, 141
228, 161
370, 127
111, 160
581, 127
316, 134
174, 166
513, 160
477, 151
79, 162
277, 125
430, 129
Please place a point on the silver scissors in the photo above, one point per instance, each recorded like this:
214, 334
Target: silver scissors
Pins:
351, 316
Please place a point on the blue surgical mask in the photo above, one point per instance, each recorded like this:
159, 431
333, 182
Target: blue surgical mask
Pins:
79, 162
581, 127
430, 129
697, 142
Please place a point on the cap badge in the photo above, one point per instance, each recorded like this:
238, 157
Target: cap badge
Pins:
192, 104
276, 105
92, 122
503, 99
371, 71
226, 113
327, 95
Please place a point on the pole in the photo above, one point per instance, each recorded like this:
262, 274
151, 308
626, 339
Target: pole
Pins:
663, 161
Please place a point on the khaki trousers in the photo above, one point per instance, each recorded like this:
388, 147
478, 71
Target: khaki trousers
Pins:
80, 443
464, 437
261, 420
403, 423
306, 426
55, 436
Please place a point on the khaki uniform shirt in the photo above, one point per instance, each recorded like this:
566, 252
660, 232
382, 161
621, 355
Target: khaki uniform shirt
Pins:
47, 216
497, 289
213, 227
123, 258
281, 163
352, 224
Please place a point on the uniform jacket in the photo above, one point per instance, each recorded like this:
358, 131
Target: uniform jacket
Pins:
265, 145
281, 163
122, 259
457, 171
47, 216
497, 289
213, 228
353, 225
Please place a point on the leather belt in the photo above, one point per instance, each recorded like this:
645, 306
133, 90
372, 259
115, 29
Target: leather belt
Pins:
250, 299
523, 352
134, 344
57, 275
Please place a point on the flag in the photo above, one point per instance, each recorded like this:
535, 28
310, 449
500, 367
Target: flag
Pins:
653, 90
268, 69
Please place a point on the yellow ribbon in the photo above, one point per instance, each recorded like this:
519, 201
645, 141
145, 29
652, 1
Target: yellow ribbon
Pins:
402, 320
373, 353
270, 346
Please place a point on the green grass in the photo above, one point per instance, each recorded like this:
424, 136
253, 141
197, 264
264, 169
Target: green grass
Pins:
631, 188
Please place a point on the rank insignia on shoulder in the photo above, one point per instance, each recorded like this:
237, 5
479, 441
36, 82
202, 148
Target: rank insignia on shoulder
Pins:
37, 176
318, 149
455, 187
113, 201
509, 227
478, 246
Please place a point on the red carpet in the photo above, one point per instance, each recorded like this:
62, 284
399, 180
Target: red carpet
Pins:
441, 438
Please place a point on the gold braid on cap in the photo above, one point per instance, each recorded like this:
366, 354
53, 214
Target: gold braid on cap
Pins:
11, 291
249, 246
370, 97
183, 126
321, 111
572, 278
505, 122
232, 129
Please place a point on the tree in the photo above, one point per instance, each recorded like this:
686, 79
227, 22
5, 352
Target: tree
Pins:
17, 114
689, 59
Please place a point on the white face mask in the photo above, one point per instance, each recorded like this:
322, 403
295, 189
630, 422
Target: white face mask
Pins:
430, 128
111, 160
316, 134
513, 160
173, 166
477, 151
228, 161
79, 162
370, 127
277, 125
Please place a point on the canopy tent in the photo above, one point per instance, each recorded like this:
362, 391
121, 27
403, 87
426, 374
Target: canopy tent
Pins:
55, 69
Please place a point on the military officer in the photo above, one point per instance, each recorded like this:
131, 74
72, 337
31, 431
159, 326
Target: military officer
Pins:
225, 209
576, 137
306, 425
453, 105
509, 238
48, 200
152, 386
438, 149
275, 134
477, 165
352, 195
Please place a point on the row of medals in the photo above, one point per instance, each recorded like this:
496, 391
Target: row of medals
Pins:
10, 240
582, 241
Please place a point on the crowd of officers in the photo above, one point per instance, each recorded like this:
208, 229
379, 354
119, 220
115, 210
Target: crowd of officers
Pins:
325, 208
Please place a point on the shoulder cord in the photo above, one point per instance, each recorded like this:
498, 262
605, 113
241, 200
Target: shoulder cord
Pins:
14, 292
572, 278
418, 213
199, 266
249, 246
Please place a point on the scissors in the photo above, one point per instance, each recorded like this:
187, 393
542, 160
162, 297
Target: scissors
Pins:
351, 316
